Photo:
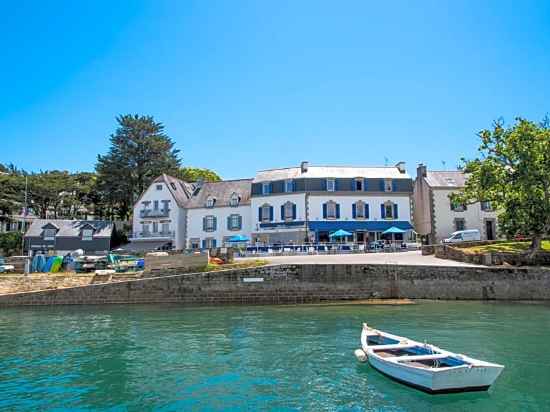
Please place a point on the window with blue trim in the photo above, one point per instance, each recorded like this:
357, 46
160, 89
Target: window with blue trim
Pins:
266, 188
289, 185
331, 185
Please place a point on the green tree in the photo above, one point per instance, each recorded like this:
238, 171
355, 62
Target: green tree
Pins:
11, 193
11, 242
139, 152
51, 191
513, 173
193, 174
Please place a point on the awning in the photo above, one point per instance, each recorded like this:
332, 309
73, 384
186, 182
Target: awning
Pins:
353, 226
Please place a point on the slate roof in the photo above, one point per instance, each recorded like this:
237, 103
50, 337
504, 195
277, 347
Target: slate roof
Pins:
71, 228
181, 190
443, 179
222, 192
389, 172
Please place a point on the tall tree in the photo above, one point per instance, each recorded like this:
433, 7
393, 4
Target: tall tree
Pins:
513, 173
139, 152
193, 174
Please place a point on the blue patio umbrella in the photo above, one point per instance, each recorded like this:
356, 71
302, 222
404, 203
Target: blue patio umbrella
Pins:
393, 230
341, 233
238, 238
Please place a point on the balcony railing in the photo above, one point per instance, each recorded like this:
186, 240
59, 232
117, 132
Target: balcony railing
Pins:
154, 212
153, 235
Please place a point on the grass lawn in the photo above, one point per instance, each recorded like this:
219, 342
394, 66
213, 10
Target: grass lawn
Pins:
512, 247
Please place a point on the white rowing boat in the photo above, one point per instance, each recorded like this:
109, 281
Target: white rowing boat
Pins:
423, 366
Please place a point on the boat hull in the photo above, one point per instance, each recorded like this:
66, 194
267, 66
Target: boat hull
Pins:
452, 380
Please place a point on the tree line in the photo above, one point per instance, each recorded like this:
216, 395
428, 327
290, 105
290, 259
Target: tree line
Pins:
139, 151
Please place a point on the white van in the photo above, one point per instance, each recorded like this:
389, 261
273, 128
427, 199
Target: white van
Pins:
463, 236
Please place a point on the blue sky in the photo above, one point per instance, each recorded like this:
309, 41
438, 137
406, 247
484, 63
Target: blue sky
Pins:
249, 85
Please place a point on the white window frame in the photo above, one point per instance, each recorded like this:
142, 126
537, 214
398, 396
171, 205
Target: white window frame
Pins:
234, 221
210, 201
486, 206
265, 188
234, 200
159, 187
388, 206
266, 213
208, 242
87, 234
49, 234
289, 211
195, 243
388, 185
209, 223
331, 185
360, 209
331, 210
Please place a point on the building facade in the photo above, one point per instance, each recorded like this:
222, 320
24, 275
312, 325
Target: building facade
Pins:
63, 236
436, 217
279, 206
308, 203
216, 212
160, 214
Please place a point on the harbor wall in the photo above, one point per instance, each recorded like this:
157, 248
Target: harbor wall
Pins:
290, 284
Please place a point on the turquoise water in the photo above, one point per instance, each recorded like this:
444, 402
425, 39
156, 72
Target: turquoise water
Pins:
174, 358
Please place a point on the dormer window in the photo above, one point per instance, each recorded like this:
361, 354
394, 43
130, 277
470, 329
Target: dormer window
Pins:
266, 188
210, 201
388, 185
87, 234
49, 234
359, 184
331, 185
173, 186
234, 200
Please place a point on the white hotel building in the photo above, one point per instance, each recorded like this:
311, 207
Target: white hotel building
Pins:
279, 206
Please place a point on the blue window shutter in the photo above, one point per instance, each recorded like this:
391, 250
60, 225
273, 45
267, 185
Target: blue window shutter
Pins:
271, 213
324, 210
382, 185
204, 243
354, 210
382, 211
213, 242
353, 185
294, 185
394, 186
215, 223
324, 185
365, 185
259, 214
229, 223
366, 211
395, 214
336, 185
270, 188
240, 222
337, 211
204, 223
294, 212
282, 212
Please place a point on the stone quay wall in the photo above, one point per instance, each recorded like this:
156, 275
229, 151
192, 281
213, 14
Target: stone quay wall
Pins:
291, 284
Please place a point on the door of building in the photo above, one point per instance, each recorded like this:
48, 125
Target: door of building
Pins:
360, 237
490, 229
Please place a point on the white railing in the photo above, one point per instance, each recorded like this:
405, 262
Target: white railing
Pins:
153, 235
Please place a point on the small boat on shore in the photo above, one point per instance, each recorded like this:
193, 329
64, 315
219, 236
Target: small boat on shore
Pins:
423, 366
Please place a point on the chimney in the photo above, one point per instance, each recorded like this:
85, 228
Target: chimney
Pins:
401, 167
421, 171
303, 166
